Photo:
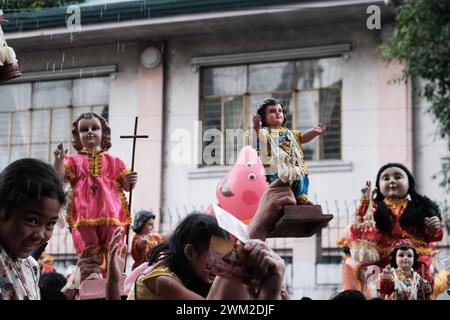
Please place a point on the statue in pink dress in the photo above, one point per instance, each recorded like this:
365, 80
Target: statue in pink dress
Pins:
97, 205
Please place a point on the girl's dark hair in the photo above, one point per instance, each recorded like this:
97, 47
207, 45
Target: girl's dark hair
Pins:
350, 294
415, 212
106, 131
29, 179
51, 284
393, 254
140, 219
262, 110
195, 229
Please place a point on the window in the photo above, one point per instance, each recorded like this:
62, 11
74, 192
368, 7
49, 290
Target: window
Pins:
310, 90
36, 117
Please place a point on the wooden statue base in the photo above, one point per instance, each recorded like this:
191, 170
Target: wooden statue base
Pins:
300, 221
9, 72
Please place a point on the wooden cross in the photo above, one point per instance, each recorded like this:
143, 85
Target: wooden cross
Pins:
134, 137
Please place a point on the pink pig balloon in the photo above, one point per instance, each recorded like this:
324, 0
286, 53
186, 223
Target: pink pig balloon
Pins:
240, 190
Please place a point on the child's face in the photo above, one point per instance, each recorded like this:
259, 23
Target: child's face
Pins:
90, 131
25, 228
394, 183
404, 259
274, 115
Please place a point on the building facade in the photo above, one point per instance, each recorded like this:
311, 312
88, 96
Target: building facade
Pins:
194, 73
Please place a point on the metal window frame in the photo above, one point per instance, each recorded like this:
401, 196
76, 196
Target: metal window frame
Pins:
73, 73
270, 56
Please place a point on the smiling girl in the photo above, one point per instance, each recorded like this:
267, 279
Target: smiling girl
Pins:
31, 196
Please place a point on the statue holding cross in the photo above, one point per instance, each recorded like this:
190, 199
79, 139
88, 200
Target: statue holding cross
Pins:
98, 180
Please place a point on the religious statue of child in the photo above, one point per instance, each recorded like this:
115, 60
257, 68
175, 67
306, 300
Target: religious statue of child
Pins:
398, 280
97, 205
280, 148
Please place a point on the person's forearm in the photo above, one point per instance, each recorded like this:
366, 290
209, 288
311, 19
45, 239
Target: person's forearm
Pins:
256, 231
225, 289
271, 294
112, 289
